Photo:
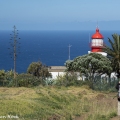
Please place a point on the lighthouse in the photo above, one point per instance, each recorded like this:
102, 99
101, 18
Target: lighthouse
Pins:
97, 43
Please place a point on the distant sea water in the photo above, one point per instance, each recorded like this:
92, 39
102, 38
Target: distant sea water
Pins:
49, 47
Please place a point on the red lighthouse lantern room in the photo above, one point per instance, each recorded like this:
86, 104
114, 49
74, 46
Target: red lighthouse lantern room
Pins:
97, 43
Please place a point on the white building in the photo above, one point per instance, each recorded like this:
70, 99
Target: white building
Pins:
57, 71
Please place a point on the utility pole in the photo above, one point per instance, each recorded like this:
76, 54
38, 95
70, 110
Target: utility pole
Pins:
14, 48
69, 51
119, 101
118, 81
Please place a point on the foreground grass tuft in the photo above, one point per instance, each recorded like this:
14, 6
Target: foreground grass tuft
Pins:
53, 103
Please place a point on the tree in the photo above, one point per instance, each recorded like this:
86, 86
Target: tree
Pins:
113, 51
39, 70
90, 64
2, 76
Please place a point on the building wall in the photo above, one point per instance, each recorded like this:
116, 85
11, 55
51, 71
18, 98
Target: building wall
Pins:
55, 75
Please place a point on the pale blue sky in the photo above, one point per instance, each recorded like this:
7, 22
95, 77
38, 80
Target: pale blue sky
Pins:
59, 14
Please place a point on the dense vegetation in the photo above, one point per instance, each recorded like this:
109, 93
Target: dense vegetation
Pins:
89, 65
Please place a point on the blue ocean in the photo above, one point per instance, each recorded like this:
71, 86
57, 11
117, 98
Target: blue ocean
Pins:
49, 47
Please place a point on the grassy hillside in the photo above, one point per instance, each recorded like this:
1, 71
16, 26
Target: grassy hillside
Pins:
57, 103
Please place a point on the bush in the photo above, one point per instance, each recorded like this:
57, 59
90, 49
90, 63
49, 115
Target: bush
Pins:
27, 80
113, 114
71, 80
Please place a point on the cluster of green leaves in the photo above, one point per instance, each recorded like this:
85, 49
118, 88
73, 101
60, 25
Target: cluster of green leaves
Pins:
39, 70
89, 64
70, 79
113, 51
28, 80
6, 77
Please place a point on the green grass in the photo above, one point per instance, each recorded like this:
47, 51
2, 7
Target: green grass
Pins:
48, 103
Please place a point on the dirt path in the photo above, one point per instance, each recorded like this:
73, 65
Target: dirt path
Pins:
100, 97
116, 118
83, 118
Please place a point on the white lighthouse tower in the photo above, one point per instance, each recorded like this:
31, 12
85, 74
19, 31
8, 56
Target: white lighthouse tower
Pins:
97, 43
